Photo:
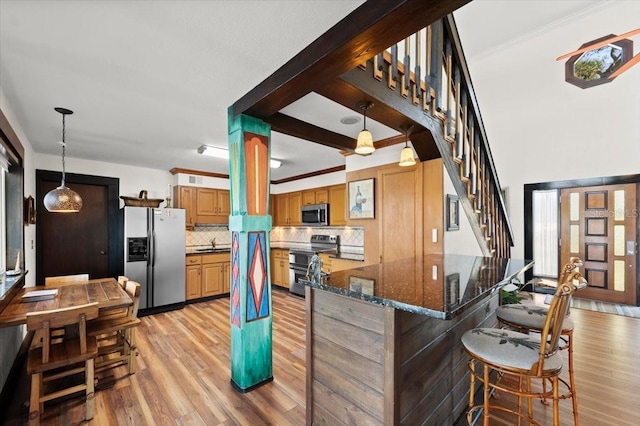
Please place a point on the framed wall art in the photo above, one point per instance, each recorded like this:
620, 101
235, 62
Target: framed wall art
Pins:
453, 213
361, 199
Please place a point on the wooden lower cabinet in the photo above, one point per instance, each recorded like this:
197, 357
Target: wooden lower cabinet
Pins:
280, 267
193, 287
207, 275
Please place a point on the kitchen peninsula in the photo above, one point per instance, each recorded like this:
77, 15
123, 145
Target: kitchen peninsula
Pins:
383, 341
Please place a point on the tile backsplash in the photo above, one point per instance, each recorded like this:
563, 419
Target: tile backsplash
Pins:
351, 238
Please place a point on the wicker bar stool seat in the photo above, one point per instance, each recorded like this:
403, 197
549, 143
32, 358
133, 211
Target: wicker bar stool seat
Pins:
510, 361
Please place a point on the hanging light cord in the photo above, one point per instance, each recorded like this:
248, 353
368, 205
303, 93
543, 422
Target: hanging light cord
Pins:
64, 145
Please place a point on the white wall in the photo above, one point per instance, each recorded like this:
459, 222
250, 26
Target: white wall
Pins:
132, 178
541, 128
462, 241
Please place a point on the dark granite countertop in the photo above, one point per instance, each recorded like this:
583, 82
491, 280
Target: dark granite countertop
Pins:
194, 251
439, 286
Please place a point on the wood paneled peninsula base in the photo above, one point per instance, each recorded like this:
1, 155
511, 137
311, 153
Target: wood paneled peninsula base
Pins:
383, 341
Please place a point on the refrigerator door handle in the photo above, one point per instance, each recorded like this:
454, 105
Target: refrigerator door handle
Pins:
153, 251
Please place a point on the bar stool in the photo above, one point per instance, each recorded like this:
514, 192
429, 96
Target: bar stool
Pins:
531, 318
512, 360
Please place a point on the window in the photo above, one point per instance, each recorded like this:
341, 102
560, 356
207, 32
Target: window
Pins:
545, 233
3, 212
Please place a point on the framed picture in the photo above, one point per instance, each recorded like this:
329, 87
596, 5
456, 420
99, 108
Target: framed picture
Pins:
453, 213
29, 211
361, 199
452, 290
361, 285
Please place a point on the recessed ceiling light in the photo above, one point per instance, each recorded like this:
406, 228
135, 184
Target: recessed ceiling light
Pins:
350, 120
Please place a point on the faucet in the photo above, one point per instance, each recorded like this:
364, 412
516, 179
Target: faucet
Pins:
213, 243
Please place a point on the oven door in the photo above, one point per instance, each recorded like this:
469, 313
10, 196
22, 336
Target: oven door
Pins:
296, 273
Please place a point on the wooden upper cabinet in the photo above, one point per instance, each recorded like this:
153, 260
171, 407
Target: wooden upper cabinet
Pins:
308, 197
295, 208
224, 203
185, 198
206, 203
338, 205
315, 196
203, 205
212, 205
288, 209
322, 196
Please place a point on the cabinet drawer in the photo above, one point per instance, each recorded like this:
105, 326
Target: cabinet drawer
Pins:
216, 257
194, 260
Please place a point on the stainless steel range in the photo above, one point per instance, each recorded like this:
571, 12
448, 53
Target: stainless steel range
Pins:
299, 259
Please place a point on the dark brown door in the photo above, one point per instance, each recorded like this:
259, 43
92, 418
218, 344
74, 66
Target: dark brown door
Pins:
84, 242
598, 224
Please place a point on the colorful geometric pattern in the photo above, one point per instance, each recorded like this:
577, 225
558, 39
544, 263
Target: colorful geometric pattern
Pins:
235, 279
257, 294
256, 157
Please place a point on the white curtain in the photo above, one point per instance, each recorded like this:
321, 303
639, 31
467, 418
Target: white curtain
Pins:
545, 233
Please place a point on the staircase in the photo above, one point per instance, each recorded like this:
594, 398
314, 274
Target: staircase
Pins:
429, 70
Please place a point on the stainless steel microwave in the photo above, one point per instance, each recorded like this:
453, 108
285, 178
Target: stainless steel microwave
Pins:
315, 215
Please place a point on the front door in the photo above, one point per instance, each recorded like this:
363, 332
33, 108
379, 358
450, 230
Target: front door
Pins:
598, 224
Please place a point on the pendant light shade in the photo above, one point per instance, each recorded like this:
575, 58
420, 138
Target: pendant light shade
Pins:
365, 139
63, 199
406, 155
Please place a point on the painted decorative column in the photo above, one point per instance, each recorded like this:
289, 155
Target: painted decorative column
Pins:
250, 223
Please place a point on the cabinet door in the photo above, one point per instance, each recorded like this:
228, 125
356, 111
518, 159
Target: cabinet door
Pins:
282, 210
193, 286
337, 205
226, 277
275, 267
206, 204
224, 204
185, 199
212, 282
295, 208
308, 197
322, 196
400, 208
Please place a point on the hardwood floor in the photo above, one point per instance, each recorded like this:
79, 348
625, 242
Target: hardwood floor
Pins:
183, 373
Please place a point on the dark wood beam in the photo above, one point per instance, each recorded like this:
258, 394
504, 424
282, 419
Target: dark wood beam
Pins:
310, 174
390, 108
425, 145
282, 123
371, 28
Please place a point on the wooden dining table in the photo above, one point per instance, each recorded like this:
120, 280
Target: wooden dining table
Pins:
106, 291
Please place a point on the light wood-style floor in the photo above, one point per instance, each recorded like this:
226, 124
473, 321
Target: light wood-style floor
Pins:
183, 373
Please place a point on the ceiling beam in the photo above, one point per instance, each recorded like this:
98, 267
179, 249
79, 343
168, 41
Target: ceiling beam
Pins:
288, 125
389, 108
371, 28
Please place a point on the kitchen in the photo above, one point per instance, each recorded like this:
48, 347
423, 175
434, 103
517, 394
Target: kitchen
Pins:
132, 179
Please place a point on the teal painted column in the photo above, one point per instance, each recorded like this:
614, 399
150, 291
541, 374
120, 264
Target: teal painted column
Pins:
250, 223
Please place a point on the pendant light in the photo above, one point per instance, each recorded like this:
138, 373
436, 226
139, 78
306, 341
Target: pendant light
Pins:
63, 199
406, 155
365, 139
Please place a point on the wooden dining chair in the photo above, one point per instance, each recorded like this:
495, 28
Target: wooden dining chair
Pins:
65, 279
510, 361
116, 334
527, 318
122, 280
54, 359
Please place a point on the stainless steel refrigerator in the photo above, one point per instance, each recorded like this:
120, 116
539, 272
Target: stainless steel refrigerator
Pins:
154, 256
